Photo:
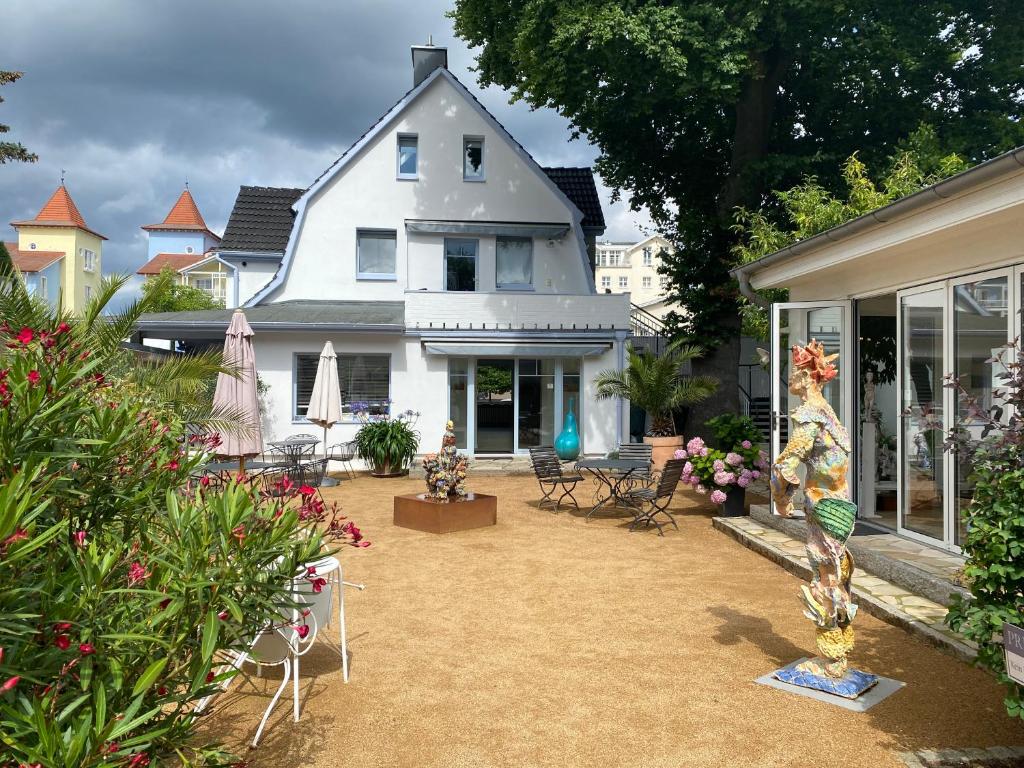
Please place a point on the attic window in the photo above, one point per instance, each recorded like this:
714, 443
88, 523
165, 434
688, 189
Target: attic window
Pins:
473, 158
408, 152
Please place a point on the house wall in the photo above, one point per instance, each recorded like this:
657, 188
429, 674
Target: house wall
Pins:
252, 275
70, 241
52, 273
366, 194
633, 269
162, 241
418, 382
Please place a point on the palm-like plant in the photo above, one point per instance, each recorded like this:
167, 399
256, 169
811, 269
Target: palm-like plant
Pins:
657, 384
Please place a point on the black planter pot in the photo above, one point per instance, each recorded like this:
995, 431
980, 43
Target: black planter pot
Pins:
734, 505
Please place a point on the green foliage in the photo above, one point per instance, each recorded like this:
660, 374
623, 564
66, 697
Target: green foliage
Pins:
121, 584
657, 385
877, 346
809, 208
991, 443
6, 265
165, 293
699, 107
388, 443
12, 151
492, 379
731, 429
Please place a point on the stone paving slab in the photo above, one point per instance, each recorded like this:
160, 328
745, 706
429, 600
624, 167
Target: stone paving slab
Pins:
993, 757
882, 599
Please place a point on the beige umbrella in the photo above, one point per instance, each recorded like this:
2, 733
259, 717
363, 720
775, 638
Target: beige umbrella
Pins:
237, 395
325, 402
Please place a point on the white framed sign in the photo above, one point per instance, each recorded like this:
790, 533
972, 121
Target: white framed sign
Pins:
1013, 650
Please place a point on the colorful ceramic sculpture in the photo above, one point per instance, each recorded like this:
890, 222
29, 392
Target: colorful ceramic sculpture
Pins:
446, 470
567, 444
820, 443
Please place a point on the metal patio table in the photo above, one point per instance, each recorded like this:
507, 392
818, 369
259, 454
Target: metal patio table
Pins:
295, 449
611, 474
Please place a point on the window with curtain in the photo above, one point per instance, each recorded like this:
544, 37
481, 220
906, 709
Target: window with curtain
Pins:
376, 254
514, 262
365, 383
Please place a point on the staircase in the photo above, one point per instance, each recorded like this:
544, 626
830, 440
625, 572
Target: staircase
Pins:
648, 330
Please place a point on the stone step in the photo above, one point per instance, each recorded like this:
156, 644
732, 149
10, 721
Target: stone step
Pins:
887, 601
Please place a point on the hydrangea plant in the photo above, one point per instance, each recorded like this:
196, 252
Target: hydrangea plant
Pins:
717, 472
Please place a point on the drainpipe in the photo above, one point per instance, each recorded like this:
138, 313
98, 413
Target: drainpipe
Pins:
747, 290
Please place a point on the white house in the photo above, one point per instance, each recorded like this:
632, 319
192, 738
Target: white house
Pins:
633, 268
927, 286
451, 272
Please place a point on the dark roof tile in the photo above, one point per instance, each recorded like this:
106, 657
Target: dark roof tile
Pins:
578, 185
261, 219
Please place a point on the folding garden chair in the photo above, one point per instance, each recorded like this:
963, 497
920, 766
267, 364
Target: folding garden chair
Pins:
648, 503
550, 476
637, 452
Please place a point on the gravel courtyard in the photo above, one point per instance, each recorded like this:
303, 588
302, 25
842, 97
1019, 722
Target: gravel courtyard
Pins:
549, 641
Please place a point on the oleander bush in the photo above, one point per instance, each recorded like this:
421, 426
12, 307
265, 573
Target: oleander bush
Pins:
121, 582
989, 439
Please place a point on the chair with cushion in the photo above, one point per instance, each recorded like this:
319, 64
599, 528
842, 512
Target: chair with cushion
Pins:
551, 477
648, 503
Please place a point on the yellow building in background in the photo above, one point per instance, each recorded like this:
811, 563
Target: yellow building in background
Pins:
633, 268
73, 252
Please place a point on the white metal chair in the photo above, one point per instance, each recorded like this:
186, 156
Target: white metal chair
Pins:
283, 645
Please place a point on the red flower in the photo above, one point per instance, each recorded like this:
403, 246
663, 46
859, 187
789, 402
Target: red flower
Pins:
87, 649
138, 761
62, 626
239, 533
9, 685
172, 465
210, 676
33, 377
307, 490
223, 615
62, 642
79, 538
161, 691
25, 335
18, 535
63, 328
362, 543
303, 630
164, 603
112, 747
204, 481
318, 585
136, 573
311, 570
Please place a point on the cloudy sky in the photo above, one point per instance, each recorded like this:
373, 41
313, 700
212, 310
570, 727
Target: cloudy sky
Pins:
131, 98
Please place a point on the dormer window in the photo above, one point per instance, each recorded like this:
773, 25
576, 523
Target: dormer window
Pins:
408, 152
473, 158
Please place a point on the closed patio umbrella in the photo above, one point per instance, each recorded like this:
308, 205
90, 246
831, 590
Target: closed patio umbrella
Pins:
237, 395
325, 401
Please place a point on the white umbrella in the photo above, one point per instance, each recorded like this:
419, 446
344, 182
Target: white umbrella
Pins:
325, 401
237, 395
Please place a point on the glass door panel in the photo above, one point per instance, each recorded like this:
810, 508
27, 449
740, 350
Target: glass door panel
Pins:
922, 500
536, 403
495, 406
981, 325
458, 399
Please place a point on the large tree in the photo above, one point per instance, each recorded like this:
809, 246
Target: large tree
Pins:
9, 150
701, 107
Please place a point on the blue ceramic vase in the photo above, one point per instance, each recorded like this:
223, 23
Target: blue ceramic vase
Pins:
567, 444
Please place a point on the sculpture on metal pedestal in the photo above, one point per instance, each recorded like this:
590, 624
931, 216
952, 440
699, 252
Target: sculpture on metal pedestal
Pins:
445, 471
821, 444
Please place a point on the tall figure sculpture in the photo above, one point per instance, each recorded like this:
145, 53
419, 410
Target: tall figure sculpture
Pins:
821, 444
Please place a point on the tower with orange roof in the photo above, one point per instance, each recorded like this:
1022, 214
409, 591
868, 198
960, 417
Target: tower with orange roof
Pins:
57, 246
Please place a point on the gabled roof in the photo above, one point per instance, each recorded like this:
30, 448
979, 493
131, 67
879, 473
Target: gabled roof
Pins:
261, 219
184, 216
176, 261
579, 186
59, 211
382, 123
32, 261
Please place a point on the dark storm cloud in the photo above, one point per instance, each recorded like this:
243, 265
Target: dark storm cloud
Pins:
131, 97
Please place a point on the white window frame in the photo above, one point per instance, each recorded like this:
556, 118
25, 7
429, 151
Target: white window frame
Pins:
646, 282
88, 260
347, 417
648, 256
510, 286
398, 156
623, 281
483, 159
476, 264
88, 292
41, 291
606, 281
381, 234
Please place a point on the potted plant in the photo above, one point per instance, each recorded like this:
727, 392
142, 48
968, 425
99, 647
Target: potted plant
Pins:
658, 385
387, 443
725, 472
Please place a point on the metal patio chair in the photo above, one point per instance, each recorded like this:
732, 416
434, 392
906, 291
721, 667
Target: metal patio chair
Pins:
648, 503
344, 453
638, 452
550, 476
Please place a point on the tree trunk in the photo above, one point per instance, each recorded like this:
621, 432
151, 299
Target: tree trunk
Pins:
723, 364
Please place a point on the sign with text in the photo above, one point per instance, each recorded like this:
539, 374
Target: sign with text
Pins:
1013, 649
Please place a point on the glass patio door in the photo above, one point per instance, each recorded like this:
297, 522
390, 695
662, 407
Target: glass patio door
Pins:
797, 323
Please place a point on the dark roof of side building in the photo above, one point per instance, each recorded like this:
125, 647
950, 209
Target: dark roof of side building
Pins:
287, 316
261, 219
578, 185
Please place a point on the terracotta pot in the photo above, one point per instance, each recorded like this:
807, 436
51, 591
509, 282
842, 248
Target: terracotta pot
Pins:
663, 448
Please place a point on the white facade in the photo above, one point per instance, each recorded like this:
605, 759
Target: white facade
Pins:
482, 262
633, 268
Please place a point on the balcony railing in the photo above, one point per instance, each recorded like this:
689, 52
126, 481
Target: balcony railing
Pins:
448, 310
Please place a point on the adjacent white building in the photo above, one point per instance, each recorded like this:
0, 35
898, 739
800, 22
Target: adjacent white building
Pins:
633, 268
452, 273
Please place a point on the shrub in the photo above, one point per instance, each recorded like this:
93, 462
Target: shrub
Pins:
731, 430
120, 583
739, 463
387, 442
991, 440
